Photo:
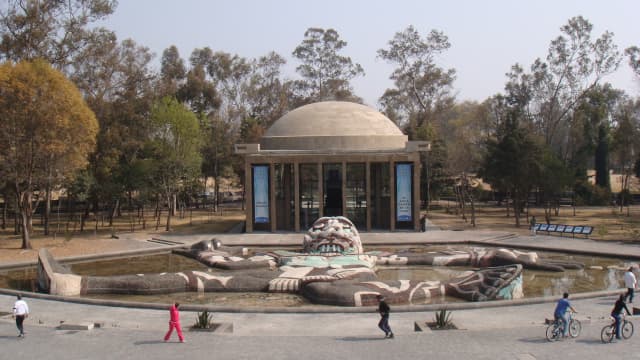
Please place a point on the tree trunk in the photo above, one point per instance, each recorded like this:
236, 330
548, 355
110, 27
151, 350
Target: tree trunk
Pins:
170, 204
47, 208
516, 208
473, 211
114, 211
26, 212
5, 204
84, 216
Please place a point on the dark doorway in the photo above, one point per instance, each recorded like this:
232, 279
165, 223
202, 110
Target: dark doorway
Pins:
332, 178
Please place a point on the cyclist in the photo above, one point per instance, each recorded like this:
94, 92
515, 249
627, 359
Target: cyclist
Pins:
560, 314
617, 309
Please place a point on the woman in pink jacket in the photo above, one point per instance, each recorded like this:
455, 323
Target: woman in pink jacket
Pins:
174, 322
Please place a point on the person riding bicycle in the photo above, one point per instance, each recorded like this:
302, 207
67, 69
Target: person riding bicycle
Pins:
615, 313
561, 314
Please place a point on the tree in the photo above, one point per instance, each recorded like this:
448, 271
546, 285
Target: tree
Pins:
173, 149
626, 143
326, 75
594, 117
56, 31
421, 97
633, 53
465, 134
513, 162
575, 64
199, 90
119, 86
172, 71
423, 90
267, 95
46, 129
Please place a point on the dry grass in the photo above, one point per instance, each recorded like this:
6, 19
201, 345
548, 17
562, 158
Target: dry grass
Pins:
93, 241
608, 222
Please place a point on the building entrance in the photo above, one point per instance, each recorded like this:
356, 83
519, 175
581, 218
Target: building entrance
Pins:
332, 182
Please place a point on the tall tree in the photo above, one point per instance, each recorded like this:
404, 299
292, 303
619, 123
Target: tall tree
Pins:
47, 130
423, 90
626, 142
422, 94
56, 31
513, 162
633, 53
174, 149
574, 65
267, 93
172, 71
199, 90
119, 86
593, 117
326, 75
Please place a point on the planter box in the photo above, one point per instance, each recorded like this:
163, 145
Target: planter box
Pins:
220, 328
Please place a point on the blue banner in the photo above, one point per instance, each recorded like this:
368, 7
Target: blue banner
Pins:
261, 194
403, 192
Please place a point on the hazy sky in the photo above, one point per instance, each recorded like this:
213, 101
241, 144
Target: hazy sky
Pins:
486, 37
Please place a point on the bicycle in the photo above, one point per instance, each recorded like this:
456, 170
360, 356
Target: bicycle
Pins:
556, 329
609, 331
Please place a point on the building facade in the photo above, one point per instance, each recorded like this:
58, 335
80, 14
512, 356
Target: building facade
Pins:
333, 159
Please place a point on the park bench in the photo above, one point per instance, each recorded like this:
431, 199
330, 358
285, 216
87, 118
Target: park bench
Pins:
561, 229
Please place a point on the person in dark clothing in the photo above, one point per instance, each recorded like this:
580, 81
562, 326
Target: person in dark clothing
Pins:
617, 309
383, 324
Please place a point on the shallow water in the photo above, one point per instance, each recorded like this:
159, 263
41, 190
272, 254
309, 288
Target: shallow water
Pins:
599, 274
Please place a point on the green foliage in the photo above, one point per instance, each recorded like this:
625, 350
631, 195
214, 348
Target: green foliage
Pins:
443, 319
47, 130
422, 89
203, 320
603, 230
326, 74
588, 194
514, 162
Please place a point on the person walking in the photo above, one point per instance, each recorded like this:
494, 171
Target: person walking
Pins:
561, 314
630, 283
615, 313
533, 225
20, 312
174, 322
384, 310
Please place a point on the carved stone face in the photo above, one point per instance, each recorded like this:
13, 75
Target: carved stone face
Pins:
333, 236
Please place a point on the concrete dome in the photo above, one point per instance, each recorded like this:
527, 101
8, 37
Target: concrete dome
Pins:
335, 126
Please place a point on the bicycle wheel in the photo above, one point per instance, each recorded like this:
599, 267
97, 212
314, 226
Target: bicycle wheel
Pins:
627, 329
574, 328
606, 335
553, 332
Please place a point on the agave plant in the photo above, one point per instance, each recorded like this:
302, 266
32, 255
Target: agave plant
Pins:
443, 318
203, 320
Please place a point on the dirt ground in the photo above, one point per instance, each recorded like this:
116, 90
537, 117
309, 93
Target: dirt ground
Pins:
610, 225
64, 244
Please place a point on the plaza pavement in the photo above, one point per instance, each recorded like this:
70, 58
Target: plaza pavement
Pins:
496, 332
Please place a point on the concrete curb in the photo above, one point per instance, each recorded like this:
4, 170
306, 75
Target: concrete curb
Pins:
313, 309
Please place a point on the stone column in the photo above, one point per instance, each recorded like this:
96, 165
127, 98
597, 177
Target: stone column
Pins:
367, 179
296, 191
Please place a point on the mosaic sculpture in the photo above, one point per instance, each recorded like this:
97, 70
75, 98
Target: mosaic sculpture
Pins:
332, 269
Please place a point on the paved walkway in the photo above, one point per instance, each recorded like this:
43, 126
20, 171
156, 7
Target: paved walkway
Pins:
515, 332
506, 332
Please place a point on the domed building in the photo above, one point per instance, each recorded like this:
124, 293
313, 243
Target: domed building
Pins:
332, 159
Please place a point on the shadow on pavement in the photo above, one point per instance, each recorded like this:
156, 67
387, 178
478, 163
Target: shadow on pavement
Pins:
369, 338
591, 341
148, 342
535, 340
